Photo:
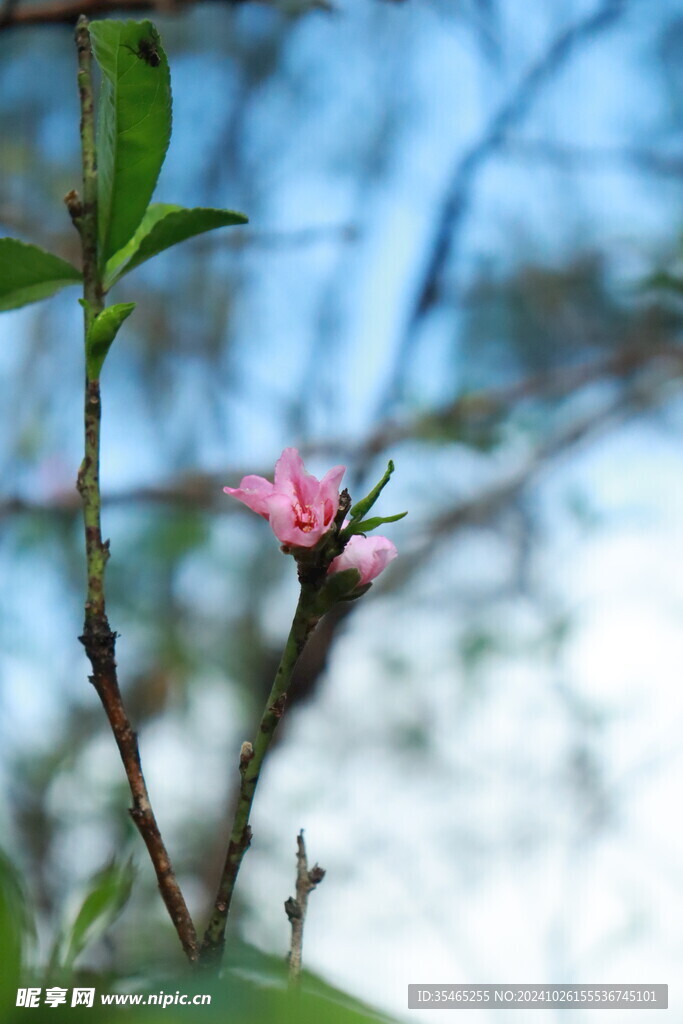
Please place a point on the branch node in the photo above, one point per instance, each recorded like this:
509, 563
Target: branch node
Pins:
246, 755
73, 203
292, 909
295, 908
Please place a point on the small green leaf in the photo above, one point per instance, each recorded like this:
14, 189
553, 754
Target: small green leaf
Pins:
162, 226
108, 894
133, 126
366, 503
366, 525
28, 274
101, 334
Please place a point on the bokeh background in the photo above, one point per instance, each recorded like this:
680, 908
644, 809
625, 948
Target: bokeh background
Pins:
462, 253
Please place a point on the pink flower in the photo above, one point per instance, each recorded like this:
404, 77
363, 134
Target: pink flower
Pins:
370, 555
299, 507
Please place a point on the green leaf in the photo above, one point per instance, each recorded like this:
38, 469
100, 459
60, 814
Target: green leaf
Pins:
16, 930
162, 226
101, 334
253, 987
28, 274
366, 525
366, 503
133, 126
109, 892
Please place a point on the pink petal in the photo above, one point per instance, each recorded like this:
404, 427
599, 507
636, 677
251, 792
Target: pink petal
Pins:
329, 492
253, 492
284, 519
290, 472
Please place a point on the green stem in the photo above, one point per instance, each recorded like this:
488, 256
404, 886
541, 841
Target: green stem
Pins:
251, 760
98, 639
86, 222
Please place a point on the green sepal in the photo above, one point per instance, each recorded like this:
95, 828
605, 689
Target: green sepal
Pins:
365, 504
366, 525
29, 273
101, 333
337, 587
162, 226
358, 592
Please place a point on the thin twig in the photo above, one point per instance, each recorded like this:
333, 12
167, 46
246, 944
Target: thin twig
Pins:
251, 762
296, 907
98, 638
203, 490
468, 165
66, 12
483, 507
570, 156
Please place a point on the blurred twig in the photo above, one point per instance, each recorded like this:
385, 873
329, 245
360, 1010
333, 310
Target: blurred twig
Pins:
285, 239
483, 507
463, 176
204, 490
589, 158
66, 12
296, 907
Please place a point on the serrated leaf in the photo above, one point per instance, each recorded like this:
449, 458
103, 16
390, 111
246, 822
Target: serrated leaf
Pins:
101, 334
28, 273
365, 504
133, 126
366, 525
163, 226
108, 894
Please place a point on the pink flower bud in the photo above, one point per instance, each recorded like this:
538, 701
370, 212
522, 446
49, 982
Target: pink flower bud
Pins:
370, 555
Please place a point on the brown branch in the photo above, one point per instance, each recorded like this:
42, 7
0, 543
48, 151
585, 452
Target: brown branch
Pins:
101, 653
66, 12
98, 638
296, 907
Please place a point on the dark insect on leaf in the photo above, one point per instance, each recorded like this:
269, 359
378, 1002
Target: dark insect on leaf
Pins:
147, 51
